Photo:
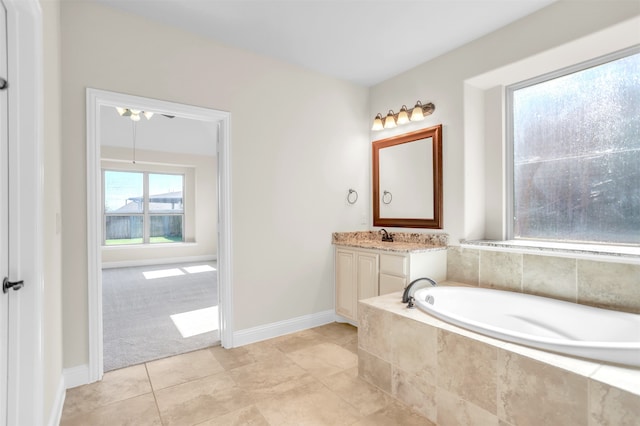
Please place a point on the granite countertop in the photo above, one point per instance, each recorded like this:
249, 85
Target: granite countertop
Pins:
402, 241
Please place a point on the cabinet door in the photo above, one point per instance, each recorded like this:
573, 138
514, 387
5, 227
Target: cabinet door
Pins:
367, 275
346, 291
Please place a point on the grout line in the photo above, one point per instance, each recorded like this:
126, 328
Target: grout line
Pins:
153, 392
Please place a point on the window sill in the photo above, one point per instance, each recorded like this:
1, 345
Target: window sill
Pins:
148, 246
622, 254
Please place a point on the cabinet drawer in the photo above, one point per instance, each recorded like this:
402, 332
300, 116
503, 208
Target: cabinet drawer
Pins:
391, 283
394, 265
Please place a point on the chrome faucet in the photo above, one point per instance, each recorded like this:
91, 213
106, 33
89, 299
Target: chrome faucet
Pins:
407, 296
386, 236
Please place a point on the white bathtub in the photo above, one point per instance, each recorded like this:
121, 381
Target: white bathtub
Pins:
540, 322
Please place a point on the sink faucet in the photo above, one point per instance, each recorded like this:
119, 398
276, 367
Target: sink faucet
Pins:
407, 296
386, 236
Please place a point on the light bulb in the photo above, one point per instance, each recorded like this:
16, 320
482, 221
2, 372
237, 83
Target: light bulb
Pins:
134, 116
377, 123
121, 110
403, 115
390, 121
416, 113
148, 115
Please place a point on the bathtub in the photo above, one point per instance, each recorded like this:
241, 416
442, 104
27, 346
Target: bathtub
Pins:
539, 322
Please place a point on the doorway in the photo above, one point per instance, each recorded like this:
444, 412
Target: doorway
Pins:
97, 101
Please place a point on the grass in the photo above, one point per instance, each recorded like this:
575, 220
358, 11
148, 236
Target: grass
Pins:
152, 240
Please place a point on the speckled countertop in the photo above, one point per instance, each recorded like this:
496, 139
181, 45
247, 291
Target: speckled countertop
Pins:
402, 241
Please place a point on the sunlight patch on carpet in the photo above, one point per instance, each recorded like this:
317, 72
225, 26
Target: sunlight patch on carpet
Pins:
196, 322
199, 268
163, 273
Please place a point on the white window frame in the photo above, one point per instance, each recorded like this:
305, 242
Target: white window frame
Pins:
146, 213
509, 145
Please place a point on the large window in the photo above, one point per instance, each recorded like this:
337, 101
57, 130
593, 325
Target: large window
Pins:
142, 207
576, 154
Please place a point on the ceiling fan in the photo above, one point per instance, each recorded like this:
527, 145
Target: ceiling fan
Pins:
135, 114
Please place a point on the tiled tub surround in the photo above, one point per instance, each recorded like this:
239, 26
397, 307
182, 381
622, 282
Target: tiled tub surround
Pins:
457, 377
604, 284
402, 241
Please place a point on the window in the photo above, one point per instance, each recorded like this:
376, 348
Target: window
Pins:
142, 207
576, 153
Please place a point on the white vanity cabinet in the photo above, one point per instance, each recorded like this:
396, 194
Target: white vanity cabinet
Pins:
364, 273
356, 278
397, 270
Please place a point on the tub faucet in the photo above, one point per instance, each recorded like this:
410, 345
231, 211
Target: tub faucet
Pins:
386, 236
407, 296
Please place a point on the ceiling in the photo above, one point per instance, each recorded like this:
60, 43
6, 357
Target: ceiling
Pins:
363, 41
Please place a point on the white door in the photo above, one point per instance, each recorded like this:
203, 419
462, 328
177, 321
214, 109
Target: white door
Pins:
4, 219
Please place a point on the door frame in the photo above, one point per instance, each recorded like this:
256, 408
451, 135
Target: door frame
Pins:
26, 197
95, 100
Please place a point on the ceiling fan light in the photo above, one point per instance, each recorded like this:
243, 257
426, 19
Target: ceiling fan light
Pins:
135, 117
390, 121
403, 115
121, 111
377, 123
147, 115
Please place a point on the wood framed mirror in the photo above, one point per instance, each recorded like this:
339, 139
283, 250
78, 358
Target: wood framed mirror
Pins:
407, 180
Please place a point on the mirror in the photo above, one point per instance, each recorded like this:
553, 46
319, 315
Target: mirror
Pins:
407, 180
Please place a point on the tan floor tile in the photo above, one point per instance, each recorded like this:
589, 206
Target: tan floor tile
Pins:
261, 351
296, 341
339, 333
182, 368
351, 345
311, 405
115, 386
394, 414
247, 416
200, 400
324, 359
267, 378
232, 358
137, 411
366, 398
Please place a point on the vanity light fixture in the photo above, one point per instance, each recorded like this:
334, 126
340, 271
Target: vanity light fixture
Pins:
418, 112
377, 123
403, 115
390, 120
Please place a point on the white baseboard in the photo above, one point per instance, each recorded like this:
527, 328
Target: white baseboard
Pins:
280, 328
163, 261
76, 376
58, 404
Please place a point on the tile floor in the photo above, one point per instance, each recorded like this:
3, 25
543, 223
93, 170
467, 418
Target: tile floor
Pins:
305, 378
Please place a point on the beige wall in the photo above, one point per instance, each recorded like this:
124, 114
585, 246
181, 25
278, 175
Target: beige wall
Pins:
201, 210
299, 141
52, 299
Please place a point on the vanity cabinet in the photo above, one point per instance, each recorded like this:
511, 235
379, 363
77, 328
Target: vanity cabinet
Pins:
356, 278
364, 273
397, 270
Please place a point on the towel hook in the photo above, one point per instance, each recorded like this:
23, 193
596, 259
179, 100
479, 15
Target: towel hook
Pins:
349, 196
385, 198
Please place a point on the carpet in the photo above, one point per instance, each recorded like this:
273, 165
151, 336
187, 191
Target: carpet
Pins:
138, 304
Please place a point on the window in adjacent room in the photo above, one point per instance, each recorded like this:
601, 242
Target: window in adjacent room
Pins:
143, 207
575, 137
